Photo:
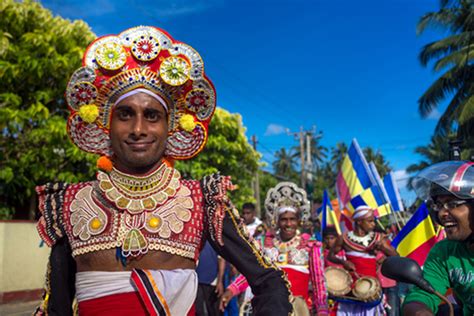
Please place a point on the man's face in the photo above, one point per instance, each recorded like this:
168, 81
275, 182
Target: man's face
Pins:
455, 220
367, 224
330, 241
287, 223
138, 133
248, 215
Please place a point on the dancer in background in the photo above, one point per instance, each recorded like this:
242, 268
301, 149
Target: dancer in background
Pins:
294, 252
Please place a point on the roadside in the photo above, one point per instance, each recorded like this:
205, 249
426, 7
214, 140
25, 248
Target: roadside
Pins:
18, 309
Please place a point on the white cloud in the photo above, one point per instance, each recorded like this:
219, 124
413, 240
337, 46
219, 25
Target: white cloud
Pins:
434, 115
275, 129
401, 177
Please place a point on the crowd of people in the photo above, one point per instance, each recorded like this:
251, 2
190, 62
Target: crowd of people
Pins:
141, 240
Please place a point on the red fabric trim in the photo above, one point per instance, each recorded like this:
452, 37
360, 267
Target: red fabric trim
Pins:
123, 304
143, 294
364, 266
192, 311
299, 282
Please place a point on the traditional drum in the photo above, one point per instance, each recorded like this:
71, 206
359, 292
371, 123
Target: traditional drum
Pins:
338, 281
367, 289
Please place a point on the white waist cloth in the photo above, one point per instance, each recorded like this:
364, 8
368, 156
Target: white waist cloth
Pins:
359, 254
295, 267
178, 287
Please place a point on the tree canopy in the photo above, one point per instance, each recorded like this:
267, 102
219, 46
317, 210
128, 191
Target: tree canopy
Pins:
452, 56
38, 53
227, 151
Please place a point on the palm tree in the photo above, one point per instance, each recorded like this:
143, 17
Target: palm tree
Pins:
338, 153
378, 159
436, 151
454, 53
284, 164
317, 151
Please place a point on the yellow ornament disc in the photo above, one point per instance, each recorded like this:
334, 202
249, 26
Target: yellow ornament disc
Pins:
154, 222
175, 71
111, 56
95, 224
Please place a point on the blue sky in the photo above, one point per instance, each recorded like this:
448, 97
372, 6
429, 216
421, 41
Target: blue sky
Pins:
348, 67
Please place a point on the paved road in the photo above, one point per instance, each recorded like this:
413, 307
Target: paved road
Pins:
18, 309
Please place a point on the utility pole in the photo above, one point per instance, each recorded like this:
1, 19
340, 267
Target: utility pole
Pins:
305, 155
303, 169
256, 183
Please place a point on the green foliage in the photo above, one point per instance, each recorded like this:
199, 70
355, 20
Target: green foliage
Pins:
317, 151
38, 53
227, 151
267, 181
436, 151
284, 166
453, 55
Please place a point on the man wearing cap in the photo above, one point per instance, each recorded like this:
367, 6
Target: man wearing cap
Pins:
360, 246
448, 188
127, 243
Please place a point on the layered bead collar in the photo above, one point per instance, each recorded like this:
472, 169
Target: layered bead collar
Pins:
136, 194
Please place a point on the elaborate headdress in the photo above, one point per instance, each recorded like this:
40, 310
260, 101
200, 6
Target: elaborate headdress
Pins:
148, 58
286, 196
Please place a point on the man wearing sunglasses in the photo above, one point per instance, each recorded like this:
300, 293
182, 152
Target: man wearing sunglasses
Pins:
449, 189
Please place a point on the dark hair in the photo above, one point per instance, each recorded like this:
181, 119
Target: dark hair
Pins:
249, 206
330, 230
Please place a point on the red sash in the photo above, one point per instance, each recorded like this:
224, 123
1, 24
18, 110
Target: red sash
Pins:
299, 282
122, 304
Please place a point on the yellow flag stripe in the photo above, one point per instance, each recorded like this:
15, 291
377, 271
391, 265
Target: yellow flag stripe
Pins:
422, 232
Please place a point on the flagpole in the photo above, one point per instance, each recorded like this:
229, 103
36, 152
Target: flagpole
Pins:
380, 224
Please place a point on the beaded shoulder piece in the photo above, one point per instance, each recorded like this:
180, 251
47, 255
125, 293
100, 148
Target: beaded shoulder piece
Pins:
159, 211
361, 244
50, 225
214, 189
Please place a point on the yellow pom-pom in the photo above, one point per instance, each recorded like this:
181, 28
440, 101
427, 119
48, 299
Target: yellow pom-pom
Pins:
89, 113
104, 164
187, 122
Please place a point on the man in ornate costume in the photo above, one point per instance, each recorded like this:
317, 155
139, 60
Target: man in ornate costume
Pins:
297, 254
360, 246
127, 243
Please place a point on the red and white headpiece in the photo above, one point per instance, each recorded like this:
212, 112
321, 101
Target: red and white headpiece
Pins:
362, 211
146, 58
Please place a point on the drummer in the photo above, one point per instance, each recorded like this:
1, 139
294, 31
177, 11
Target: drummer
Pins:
330, 236
294, 252
360, 246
